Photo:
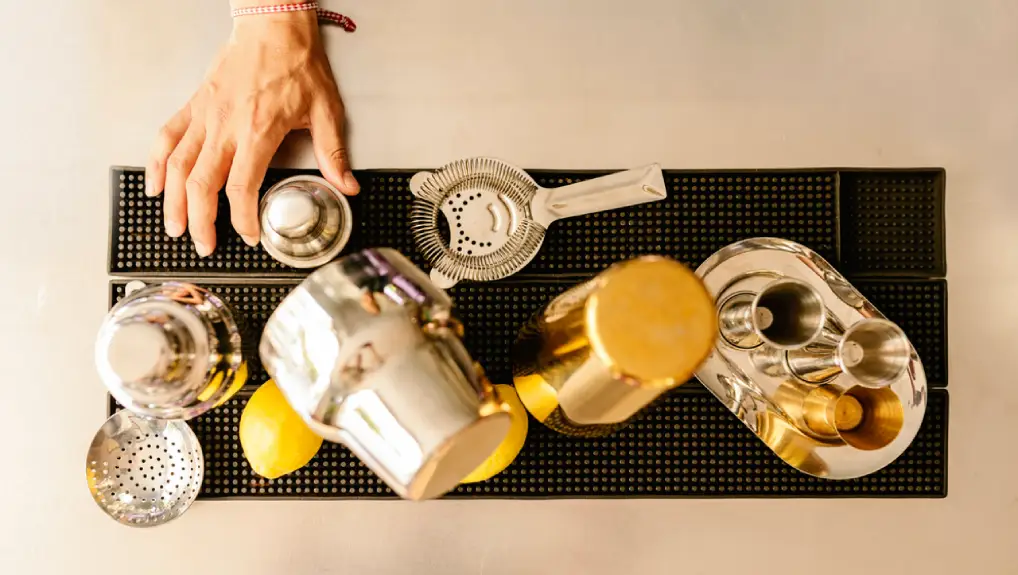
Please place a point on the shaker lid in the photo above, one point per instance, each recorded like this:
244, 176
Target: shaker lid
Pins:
305, 221
651, 319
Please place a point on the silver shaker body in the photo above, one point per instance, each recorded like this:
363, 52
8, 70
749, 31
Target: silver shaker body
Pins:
368, 352
170, 351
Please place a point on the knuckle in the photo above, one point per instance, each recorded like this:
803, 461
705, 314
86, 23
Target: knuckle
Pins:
332, 115
339, 155
217, 147
219, 114
176, 163
254, 131
197, 183
265, 129
333, 104
330, 111
236, 190
165, 134
261, 118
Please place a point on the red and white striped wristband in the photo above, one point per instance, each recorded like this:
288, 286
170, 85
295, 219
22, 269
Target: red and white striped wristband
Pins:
325, 15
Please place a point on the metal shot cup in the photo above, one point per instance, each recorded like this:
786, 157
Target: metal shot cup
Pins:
872, 352
785, 314
603, 350
170, 351
368, 352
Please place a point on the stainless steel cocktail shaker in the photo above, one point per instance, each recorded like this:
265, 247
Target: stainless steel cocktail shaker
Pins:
368, 352
170, 351
603, 350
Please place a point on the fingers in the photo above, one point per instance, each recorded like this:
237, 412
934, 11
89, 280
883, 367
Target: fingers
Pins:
178, 168
203, 185
249, 166
330, 148
169, 136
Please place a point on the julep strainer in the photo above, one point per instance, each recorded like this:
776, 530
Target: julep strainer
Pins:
144, 472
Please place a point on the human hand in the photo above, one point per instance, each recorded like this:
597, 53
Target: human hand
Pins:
272, 77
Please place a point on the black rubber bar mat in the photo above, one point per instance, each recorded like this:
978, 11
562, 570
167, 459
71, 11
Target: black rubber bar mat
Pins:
892, 223
869, 223
492, 313
683, 439
704, 211
685, 445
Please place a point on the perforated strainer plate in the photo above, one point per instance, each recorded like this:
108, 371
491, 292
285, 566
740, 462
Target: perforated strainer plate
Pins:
486, 205
144, 472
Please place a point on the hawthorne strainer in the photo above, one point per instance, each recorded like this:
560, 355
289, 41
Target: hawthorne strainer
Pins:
496, 215
144, 472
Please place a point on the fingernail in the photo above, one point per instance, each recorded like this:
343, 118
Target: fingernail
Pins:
250, 240
350, 183
203, 250
174, 228
150, 189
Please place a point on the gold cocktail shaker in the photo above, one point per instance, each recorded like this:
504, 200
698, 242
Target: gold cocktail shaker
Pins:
603, 350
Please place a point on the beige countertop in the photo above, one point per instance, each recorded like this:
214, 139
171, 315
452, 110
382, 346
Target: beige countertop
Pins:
543, 83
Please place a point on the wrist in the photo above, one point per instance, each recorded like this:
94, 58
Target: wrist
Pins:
301, 22
237, 4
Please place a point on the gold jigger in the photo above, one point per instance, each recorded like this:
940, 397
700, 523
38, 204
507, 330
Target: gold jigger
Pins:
603, 350
861, 417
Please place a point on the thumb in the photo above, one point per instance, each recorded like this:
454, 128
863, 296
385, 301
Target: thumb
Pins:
330, 149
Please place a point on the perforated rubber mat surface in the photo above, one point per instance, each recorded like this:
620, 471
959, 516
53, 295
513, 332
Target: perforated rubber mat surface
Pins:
687, 443
893, 223
703, 212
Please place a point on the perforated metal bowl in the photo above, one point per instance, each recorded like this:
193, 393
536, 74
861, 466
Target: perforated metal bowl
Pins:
144, 472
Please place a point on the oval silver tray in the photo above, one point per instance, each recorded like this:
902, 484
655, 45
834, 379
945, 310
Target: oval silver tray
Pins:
771, 403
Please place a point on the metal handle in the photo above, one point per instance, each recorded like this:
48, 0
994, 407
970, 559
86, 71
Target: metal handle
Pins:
618, 190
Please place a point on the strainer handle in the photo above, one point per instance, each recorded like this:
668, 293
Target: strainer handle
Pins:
618, 190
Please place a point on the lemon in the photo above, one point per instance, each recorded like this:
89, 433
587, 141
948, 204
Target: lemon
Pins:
275, 440
513, 442
239, 379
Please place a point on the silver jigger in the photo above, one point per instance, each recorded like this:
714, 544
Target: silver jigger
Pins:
874, 352
367, 351
785, 314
